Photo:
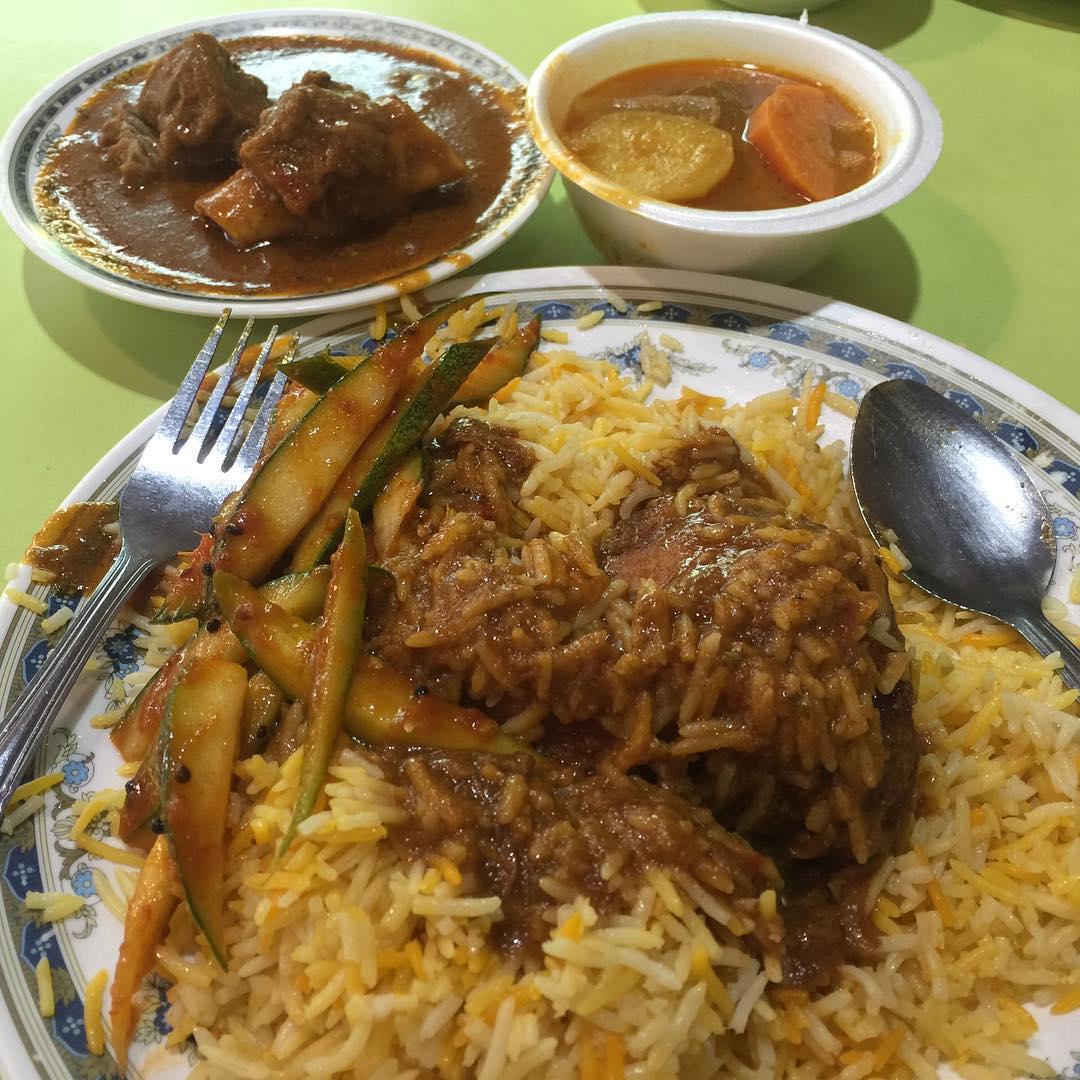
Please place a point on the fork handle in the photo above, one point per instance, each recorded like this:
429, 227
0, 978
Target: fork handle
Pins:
1047, 638
23, 727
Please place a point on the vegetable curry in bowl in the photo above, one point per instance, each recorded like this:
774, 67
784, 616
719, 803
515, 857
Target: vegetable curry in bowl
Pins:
719, 135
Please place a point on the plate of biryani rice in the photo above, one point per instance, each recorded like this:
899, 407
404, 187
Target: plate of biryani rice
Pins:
573, 728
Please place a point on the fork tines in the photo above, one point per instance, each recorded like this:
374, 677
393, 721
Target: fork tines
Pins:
213, 439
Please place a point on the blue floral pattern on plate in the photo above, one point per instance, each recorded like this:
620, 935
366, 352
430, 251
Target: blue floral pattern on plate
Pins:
1068, 476
609, 309
672, 313
848, 351
76, 772
790, 332
966, 402
34, 658
120, 651
730, 320
1017, 438
82, 883
553, 310
905, 371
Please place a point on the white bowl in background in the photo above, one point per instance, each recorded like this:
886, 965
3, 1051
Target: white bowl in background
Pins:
779, 7
777, 245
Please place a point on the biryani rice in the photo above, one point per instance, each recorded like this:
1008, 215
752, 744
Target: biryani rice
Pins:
347, 959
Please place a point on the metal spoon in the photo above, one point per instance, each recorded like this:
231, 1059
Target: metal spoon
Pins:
974, 527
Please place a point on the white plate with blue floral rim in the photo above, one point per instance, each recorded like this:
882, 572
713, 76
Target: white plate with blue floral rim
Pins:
49, 114
740, 339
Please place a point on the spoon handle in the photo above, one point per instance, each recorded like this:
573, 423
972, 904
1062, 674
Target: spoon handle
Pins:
1047, 638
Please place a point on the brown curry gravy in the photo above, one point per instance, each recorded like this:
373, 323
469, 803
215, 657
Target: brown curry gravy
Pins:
152, 234
76, 545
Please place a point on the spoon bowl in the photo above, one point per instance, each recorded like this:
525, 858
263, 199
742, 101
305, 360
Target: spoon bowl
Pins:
962, 508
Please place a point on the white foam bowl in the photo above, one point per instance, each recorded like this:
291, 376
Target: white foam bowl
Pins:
779, 7
777, 245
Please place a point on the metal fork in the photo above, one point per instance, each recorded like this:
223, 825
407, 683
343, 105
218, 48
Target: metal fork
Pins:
178, 486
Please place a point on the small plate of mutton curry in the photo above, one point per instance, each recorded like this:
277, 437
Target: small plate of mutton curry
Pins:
285, 163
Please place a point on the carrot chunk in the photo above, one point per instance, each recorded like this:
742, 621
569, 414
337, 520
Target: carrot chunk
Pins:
791, 130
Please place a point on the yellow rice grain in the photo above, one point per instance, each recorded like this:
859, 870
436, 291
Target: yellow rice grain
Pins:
1067, 1003
21, 813
59, 618
95, 1029
379, 324
33, 787
25, 600
121, 856
841, 404
109, 896
558, 337
53, 906
46, 996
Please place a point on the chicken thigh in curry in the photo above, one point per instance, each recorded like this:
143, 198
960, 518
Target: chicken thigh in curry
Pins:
191, 113
325, 157
715, 648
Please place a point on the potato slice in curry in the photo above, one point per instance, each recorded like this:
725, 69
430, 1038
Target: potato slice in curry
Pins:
656, 154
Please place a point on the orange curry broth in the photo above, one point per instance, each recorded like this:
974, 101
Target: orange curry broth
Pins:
739, 88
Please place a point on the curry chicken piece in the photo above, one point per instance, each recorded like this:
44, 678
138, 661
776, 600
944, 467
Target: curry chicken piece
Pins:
721, 647
779, 719
324, 158
193, 109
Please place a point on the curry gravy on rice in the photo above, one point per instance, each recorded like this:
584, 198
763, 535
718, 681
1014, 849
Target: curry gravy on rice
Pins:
698, 685
740, 638
729, 680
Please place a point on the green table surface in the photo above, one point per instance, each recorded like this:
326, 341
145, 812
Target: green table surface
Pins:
986, 253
